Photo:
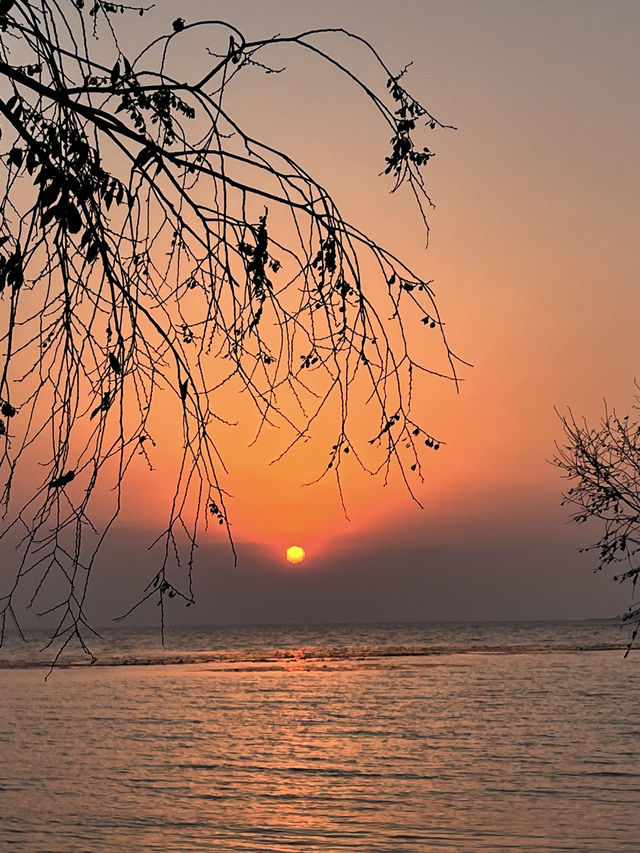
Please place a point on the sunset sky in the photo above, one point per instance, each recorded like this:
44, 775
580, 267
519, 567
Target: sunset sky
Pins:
534, 255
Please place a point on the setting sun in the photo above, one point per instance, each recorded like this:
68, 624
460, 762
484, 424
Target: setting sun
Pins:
295, 554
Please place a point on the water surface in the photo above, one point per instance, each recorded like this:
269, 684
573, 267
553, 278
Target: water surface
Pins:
317, 739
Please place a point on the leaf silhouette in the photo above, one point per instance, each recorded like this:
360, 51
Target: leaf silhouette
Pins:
104, 405
60, 482
143, 157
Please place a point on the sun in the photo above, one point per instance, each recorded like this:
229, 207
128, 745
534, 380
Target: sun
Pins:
295, 554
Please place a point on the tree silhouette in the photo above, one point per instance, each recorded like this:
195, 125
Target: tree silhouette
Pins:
603, 466
150, 246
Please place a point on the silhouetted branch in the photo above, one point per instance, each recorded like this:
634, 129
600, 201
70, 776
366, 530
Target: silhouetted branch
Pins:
153, 249
603, 466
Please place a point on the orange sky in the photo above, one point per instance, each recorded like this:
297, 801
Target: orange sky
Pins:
533, 250
532, 240
532, 246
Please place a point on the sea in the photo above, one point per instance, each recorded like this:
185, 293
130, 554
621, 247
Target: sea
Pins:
386, 738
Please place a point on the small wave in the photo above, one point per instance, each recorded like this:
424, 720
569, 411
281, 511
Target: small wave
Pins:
312, 658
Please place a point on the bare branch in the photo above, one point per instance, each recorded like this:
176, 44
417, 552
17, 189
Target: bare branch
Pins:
602, 465
154, 254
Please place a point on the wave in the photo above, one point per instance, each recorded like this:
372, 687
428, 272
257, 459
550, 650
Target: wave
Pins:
312, 658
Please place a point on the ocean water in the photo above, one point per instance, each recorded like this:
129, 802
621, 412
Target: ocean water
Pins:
469, 737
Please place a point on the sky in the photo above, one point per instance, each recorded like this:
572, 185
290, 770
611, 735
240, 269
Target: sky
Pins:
533, 252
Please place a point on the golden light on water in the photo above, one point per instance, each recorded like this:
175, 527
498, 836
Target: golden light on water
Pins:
295, 554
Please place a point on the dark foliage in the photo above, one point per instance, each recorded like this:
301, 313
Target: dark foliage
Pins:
602, 465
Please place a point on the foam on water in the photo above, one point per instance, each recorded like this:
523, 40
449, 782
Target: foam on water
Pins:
250, 645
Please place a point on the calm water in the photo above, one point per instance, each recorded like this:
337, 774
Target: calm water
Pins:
344, 738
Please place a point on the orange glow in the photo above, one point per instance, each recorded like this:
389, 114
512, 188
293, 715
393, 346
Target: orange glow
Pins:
539, 326
295, 554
